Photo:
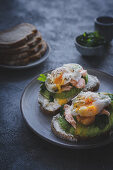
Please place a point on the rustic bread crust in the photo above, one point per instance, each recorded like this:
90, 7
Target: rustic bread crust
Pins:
21, 34
51, 113
11, 52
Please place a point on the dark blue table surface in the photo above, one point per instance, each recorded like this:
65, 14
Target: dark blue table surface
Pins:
59, 21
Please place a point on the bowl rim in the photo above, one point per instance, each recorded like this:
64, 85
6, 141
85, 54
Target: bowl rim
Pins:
100, 46
103, 24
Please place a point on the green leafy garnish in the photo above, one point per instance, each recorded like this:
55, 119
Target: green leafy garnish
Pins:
43, 87
51, 98
84, 34
101, 121
42, 78
62, 110
92, 39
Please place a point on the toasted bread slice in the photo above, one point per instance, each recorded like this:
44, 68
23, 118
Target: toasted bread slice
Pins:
6, 53
92, 85
17, 36
27, 59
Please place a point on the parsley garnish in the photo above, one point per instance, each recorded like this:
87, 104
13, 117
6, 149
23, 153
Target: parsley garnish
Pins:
42, 78
91, 39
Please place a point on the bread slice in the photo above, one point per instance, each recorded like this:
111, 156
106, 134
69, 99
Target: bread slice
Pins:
92, 85
26, 59
24, 48
23, 55
60, 132
17, 36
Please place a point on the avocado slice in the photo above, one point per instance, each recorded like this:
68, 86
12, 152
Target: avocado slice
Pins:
45, 93
68, 94
64, 95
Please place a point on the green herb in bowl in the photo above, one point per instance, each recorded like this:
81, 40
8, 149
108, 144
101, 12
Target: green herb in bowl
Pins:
92, 39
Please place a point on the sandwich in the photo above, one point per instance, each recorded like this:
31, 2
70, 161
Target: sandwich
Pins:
62, 84
89, 115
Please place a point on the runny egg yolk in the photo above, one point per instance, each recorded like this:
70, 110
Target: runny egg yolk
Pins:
62, 101
90, 110
86, 109
59, 81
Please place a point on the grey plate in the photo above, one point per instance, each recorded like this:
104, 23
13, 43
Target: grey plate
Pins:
40, 123
30, 65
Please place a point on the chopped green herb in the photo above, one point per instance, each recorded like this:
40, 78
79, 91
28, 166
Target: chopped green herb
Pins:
92, 39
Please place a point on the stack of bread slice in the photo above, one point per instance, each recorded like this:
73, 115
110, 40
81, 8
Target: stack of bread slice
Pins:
21, 45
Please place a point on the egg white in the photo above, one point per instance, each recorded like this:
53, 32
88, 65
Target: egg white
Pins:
69, 71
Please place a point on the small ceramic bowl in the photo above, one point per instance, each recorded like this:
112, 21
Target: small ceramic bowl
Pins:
89, 51
104, 25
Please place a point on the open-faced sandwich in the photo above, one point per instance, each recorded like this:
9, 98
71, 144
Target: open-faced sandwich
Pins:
89, 115
62, 84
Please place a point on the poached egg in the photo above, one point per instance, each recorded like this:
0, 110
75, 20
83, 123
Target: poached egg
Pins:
88, 104
63, 75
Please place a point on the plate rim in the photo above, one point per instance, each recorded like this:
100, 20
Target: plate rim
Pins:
69, 146
31, 64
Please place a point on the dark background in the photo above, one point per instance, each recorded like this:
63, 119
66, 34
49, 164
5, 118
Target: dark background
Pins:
59, 22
